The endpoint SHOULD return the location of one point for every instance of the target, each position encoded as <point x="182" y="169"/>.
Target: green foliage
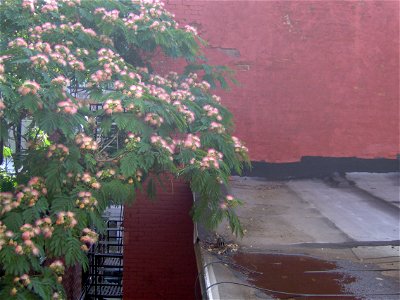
<point x="74" y="253"/>
<point x="7" y="182"/>
<point x="7" y="152"/>
<point x="117" y="192"/>
<point x="93" y="122"/>
<point x="13" y="264"/>
<point x="13" y="220"/>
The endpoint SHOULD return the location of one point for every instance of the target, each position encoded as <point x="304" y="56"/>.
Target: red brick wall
<point x="159" y="261"/>
<point x="72" y="282"/>
<point x="317" y="78"/>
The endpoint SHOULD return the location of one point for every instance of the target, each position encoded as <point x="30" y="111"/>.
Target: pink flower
<point x="86" y="200"/>
<point x="57" y="267"/>
<point x="112" y="106"/>
<point x="2" y="107"/>
<point x="9" y="234"/>
<point x="68" y="107"/>
<point x="118" y="85"/>
<point x="35" y="251"/>
<point x="67" y="219"/>
<point x="239" y="147"/>
<point x="218" y="127"/>
<point x="77" y="65"/>
<point x="160" y="142"/>
<point x="29" y="4"/>
<point x="154" y="119"/>
<point x="190" y="29"/>
<point x="29" y="87"/>
<point x="192" y="142"/>
<point x="96" y="185"/>
<point x="61" y="80"/>
<point x="39" y="60"/>
<point x="88" y="237"/>
<point x="86" y="142"/>
<point x="211" y="160"/>
<point x="18" y="249"/>
<point x="26" y="235"/>
<point x="50" y="6"/>
<point x="90" y="32"/>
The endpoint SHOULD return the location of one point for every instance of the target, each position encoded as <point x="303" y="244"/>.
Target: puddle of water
<point x="291" y="274"/>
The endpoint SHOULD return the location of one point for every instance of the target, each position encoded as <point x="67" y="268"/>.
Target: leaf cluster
<point x="92" y="122"/>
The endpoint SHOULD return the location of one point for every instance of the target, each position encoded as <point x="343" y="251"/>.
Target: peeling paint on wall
<point x="232" y="52"/>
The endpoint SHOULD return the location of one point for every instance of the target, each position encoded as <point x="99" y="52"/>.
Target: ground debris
<point x="217" y="244"/>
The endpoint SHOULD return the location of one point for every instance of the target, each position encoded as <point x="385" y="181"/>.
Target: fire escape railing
<point x="103" y="280"/>
<point x="104" y="276"/>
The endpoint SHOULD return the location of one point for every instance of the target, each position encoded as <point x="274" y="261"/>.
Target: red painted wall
<point x="159" y="260"/>
<point x="318" y="78"/>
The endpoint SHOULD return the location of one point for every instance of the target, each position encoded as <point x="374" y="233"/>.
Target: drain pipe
<point x="206" y="276"/>
<point x="205" y="270"/>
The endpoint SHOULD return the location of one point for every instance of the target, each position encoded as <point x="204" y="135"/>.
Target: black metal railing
<point x="104" y="276"/>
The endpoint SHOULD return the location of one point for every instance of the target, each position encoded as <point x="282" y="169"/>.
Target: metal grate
<point x="112" y="139"/>
<point x="111" y="291"/>
<point x="104" y="277"/>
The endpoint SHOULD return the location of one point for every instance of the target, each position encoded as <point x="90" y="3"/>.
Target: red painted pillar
<point x="159" y="260"/>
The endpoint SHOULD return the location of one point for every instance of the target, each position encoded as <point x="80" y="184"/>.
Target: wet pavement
<point x="288" y="276"/>
<point x="283" y="276"/>
<point x="333" y="238"/>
